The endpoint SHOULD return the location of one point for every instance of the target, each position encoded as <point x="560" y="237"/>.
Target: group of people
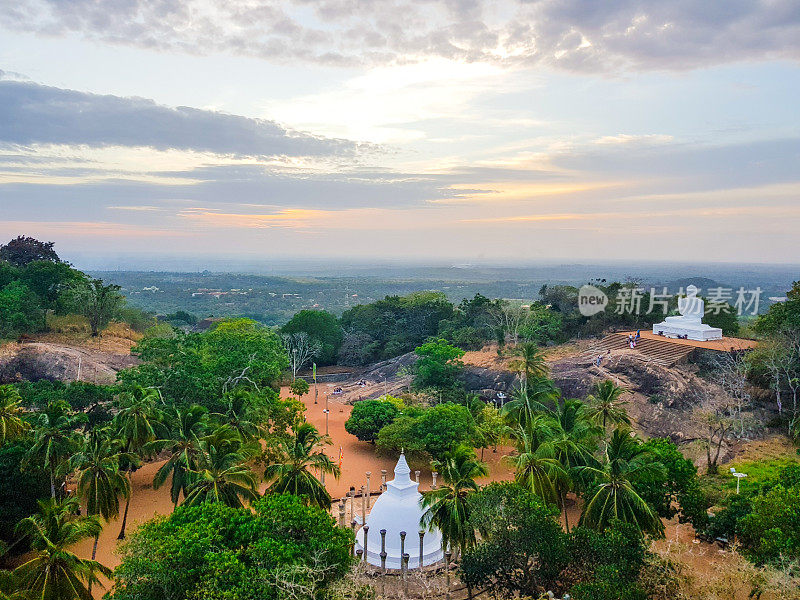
<point x="598" y="361"/>
<point x="633" y="338"/>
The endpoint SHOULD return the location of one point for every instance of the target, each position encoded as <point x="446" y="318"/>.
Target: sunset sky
<point x="431" y="130"/>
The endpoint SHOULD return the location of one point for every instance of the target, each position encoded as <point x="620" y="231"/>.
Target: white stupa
<point x="398" y="509"/>
<point x="689" y="324"/>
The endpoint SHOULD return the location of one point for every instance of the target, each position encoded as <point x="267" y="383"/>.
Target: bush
<point x="772" y="529"/>
<point x="369" y="417"/>
<point x="214" y="551"/>
<point x="70" y="324"/>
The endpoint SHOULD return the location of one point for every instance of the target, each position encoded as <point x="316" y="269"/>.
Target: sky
<point x="461" y="130"/>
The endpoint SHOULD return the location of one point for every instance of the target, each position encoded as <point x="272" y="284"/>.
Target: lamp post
<point x="327" y="412"/>
<point x="738" y="476"/>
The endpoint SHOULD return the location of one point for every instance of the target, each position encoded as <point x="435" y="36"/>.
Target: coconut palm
<point x="184" y="428"/>
<point x="222" y="474"/>
<point x="136" y="424"/>
<point x="298" y="455"/>
<point x="100" y="480"/>
<point x="236" y="415"/>
<point x="529" y="360"/>
<point x="535" y="462"/>
<point x="615" y="497"/>
<point x="532" y="397"/>
<point x="605" y="407"/>
<point x="446" y="507"/>
<point x="11" y="411"/>
<point x="55" y="440"/>
<point x="572" y="440"/>
<point x="54" y="572"/>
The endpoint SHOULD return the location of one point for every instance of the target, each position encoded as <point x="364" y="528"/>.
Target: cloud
<point x="36" y="114"/>
<point x="578" y="35"/>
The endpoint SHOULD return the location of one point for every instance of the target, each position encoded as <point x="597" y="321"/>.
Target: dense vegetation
<point x="207" y="404"/>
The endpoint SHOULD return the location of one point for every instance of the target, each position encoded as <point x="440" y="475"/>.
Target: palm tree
<point x="299" y="454"/>
<point x="136" y="424"/>
<point x="184" y="428"/>
<point x="535" y="462"/>
<point x="55" y="573"/>
<point x="100" y="480"/>
<point x="615" y="496"/>
<point x="572" y="440"/>
<point x="221" y="474"/>
<point x="532" y="397"/>
<point x="529" y="361"/>
<point x="605" y="406"/>
<point x="237" y="415"/>
<point x="446" y="507"/>
<point x="55" y="440"/>
<point x="11" y="411"/>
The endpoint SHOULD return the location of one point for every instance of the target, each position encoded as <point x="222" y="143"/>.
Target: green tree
<point x="522" y="549"/>
<point x="369" y="417"/>
<point x="20" y="310"/>
<point x="529" y="361"/>
<point x="573" y="440"/>
<point x="299" y="455"/>
<point x="136" y="424"/>
<point x="782" y="317"/>
<point x="222" y="474"/>
<point x="48" y="280"/>
<point x="194" y="368"/>
<point x="12" y="424"/>
<point x="442" y="428"/>
<point x="605" y="407"/>
<point x="100" y="481"/>
<point x="55" y="440"/>
<point x="535" y="464"/>
<point x="447" y="507"/>
<point x="534" y="396"/>
<point x="614" y="496"/>
<point x="322" y="327"/>
<point x="490" y="427"/>
<point x="184" y="426"/>
<point x="20" y="488"/>
<point x="665" y="489"/>
<point x="771" y="531"/>
<point x="98" y="302"/>
<point x="54" y="572"/>
<point x="275" y="549"/>
<point x="438" y="365"/>
<point x="23" y="250"/>
<point x="299" y="387"/>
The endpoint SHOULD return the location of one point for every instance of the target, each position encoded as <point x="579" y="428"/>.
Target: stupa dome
<point x="398" y="509"/>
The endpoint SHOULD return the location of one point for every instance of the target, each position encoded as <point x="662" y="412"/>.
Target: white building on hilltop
<point x="398" y="509"/>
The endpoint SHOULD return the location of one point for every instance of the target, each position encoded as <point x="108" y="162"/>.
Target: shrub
<point x="369" y="417"/>
<point x="214" y="551"/>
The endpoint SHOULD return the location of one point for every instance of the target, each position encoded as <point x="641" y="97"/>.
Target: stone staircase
<point x="658" y="351"/>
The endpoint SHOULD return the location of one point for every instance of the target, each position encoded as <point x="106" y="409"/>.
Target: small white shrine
<point x="398" y="509"/>
<point x="689" y="325"/>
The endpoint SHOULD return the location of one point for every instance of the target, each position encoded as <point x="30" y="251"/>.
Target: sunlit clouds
<point x="434" y="129"/>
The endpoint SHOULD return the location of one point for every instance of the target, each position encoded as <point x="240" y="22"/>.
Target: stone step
<point x="661" y="352"/>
